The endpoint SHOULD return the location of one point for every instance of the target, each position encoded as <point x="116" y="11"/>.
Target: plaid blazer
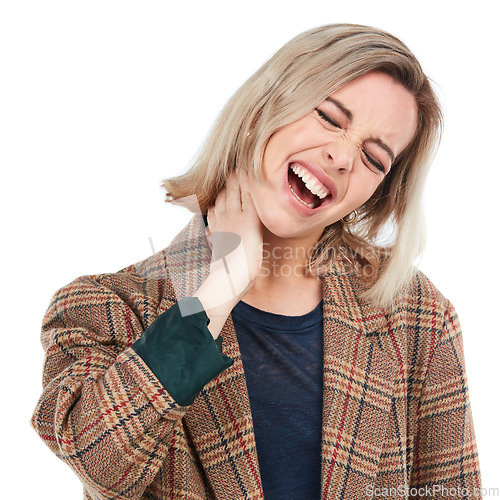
<point x="396" y="411"/>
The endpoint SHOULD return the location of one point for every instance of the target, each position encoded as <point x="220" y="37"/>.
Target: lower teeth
<point x="310" y="205"/>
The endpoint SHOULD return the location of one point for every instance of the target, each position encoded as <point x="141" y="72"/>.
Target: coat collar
<point x="358" y="385"/>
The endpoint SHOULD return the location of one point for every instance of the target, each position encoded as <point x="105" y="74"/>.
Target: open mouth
<point x="306" y="188"/>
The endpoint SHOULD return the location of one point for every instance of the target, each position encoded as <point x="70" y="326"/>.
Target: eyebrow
<point x="348" y="115"/>
<point x="342" y="108"/>
<point x="385" y="147"/>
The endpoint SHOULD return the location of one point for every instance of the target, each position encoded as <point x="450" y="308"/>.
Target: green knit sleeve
<point x="181" y="352"/>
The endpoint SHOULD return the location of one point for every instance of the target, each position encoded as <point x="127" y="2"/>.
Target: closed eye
<point x="327" y="118"/>
<point x="374" y="162"/>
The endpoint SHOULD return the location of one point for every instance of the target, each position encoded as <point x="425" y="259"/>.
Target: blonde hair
<point x="294" y="81"/>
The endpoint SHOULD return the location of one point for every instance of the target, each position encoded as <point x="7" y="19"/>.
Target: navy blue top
<point x="283" y="362"/>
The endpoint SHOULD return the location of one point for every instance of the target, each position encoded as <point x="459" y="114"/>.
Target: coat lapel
<point x="221" y="426"/>
<point x="358" y="385"/>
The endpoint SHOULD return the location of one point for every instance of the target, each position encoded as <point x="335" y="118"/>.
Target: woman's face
<point x="323" y="166"/>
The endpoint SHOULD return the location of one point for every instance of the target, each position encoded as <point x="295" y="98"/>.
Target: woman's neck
<point x="285" y="286"/>
<point x="285" y="259"/>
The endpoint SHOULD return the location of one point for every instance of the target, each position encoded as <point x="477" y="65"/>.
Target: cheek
<point x="293" y="138"/>
<point x="362" y="188"/>
<point x="262" y="192"/>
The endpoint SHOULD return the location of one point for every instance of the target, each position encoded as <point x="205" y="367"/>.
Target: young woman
<point x="309" y="361"/>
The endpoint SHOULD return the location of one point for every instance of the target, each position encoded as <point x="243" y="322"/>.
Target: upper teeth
<point x="313" y="184"/>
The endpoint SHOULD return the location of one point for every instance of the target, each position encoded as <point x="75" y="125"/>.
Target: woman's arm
<point x="102" y="410"/>
<point x="106" y="408"/>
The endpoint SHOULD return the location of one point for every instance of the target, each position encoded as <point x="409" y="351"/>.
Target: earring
<point x="353" y="217"/>
<point x="249" y="134"/>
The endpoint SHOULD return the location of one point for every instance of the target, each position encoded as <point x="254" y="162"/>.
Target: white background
<point x="99" y="101"/>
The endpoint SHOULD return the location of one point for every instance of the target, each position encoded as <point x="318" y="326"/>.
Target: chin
<point x="283" y="226"/>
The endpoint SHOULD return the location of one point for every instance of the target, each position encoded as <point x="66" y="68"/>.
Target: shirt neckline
<point x="274" y="321"/>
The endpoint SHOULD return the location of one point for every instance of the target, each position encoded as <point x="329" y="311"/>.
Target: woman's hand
<point x="233" y="219"/>
<point x="235" y="231"/>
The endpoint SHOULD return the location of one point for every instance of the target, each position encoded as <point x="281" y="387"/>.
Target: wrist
<point x="217" y="300"/>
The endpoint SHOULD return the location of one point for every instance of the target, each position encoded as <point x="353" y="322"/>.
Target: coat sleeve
<point x="103" y="410"/>
<point x="445" y="453"/>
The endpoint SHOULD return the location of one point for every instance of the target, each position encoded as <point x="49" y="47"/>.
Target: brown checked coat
<point x="396" y="412"/>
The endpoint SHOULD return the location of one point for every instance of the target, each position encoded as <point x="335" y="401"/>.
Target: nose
<point x="340" y="154"/>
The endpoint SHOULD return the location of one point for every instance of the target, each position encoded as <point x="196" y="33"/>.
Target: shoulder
<point x="422" y="297"/>
<point x="422" y="293"/>
<point x="420" y="318"/>
<point x="146" y="287"/>
<point x="109" y="304"/>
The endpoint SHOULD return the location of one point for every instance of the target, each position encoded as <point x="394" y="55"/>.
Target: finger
<point x="210" y="215"/>
<point x="246" y="197"/>
<point x="233" y="192"/>
<point x="211" y="224"/>
<point x="221" y="202"/>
